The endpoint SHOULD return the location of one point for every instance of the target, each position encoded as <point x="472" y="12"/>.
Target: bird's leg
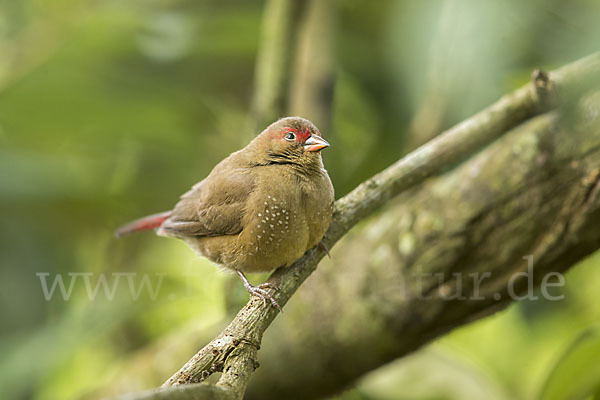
<point x="324" y="247"/>
<point x="260" y="290"/>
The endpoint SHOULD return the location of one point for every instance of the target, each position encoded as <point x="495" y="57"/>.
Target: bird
<point x="259" y="209"/>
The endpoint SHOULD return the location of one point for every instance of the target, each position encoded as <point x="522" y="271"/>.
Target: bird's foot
<point x="324" y="247"/>
<point x="260" y="291"/>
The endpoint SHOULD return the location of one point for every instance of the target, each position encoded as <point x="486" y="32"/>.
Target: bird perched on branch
<point x="260" y="208"/>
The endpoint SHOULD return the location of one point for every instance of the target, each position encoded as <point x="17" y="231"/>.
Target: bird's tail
<point x="150" y="222"/>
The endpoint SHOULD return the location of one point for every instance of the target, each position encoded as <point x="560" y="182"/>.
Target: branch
<point x="313" y="76"/>
<point x="440" y="86"/>
<point x="274" y="61"/>
<point x="234" y="350"/>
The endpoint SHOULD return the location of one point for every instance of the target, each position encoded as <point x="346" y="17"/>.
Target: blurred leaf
<point x="577" y="372"/>
<point x="434" y="373"/>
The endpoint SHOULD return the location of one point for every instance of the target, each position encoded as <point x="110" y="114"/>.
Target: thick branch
<point x="185" y="392"/>
<point x="234" y="350"/>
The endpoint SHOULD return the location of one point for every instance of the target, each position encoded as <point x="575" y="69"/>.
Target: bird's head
<point x="291" y="140"/>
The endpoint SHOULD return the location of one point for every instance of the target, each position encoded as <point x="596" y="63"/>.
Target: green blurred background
<point x="110" y="109"/>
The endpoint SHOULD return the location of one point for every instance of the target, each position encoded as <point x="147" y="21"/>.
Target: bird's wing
<point x="213" y="207"/>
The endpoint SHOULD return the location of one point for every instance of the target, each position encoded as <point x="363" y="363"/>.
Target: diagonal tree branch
<point x="234" y="351"/>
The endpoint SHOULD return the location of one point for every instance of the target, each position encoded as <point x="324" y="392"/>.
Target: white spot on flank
<point x="259" y="236"/>
<point x="267" y="218"/>
<point x="271" y="225"/>
<point x="267" y="211"/>
<point x="265" y="203"/>
<point x="259" y="214"/>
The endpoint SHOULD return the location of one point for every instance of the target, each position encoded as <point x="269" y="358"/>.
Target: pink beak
<point x="315" y="143"/>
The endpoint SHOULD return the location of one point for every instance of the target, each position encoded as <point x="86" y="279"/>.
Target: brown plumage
<point x="260" y="208"/>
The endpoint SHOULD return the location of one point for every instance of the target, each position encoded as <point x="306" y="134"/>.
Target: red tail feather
<point x="143" y="224"/>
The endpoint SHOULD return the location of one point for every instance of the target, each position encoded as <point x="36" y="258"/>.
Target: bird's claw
<point x="324" y="247"/>
<point x="267" y="285"/>
<point x="260" y="291"/>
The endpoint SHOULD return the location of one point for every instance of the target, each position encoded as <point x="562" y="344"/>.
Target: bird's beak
<point x="315" y="143"/>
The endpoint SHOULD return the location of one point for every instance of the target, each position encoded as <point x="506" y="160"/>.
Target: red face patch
<point x="301" y="134"/>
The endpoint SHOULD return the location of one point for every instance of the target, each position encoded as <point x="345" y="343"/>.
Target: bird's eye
<point x="291" y="136"/>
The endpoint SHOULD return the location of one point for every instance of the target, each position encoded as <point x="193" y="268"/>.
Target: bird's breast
<point x="284" y="217"/>
<point x="276" y="234"/>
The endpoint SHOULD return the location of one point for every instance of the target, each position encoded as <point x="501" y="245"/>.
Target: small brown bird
<point x="260" y="208"/>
